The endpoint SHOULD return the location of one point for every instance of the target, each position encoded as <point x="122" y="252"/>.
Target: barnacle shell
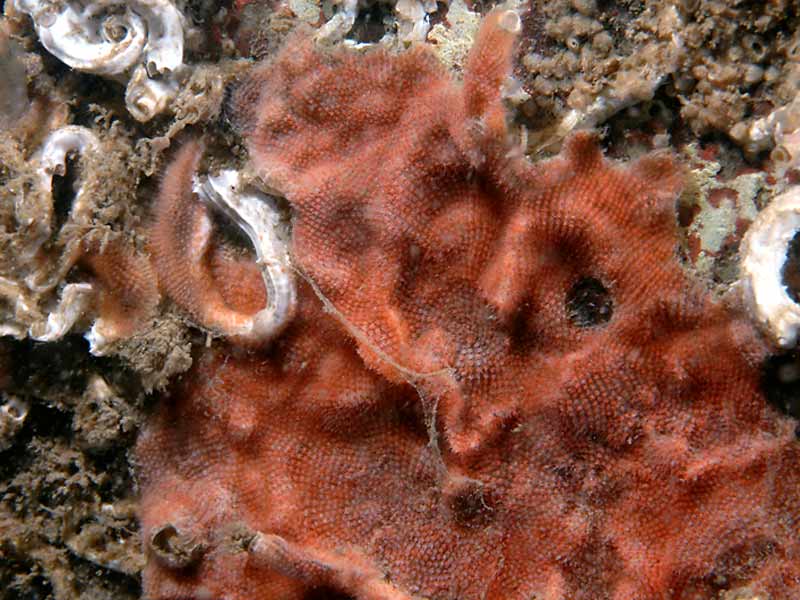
<point x="763" y="256"/>
<point x="53" y="161"/>
<point x="75" y="300"/>
<point x="340" y="24"/>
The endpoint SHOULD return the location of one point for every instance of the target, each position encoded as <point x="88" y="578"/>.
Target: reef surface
<point x="473" y="376"/>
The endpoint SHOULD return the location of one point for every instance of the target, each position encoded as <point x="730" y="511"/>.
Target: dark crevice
<point x="589" y="303"/>
<point x="326" y="593"/>
<point x="519" y="330"/>
<point x="94" y="90"/>
<point x="202" y="11"/>
<point x="107" y="582"/>
<point x="64" y="189"/>
<point x="20" y="579"/>
<point x="63" y="364"/>
<point x="48" y="421"/>
<point x="369" y="27"/>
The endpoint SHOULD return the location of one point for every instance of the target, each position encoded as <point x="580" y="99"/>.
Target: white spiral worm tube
<point x="75" y="298"/>
<point x="53" y="161"/>
<point x="116" y="38"/>
<point x="259" y="216"/>
<point x="52" y="158"/>
<point x="36" y="220"/>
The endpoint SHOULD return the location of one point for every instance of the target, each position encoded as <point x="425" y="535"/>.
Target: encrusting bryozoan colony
<point x="498" y="381"/>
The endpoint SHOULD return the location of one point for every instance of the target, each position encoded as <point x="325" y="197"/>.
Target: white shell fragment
<point x="13" y="412"/>
<point x="100" y="338"/>
<point x="341" y="23"/>
<point x="87" y="38"/>
<point x="413" y="20"/>
<point x="102" y="335"/>
<point x="52" y="160"/>
<point x="606" y="105"/>
<point x="117" y="39"/>
<point x="108" y="37"/>
<point x="259" y="216"/>
<point x="763" y="253"/>
<point x="76" y="300"/>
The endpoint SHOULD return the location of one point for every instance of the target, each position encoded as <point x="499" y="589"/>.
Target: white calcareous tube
<point x="259" y="217"/>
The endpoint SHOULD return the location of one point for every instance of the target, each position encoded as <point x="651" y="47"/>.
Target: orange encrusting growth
<point x="195" y="272"/>
<point x="128" y="290"/>
<point x="511" y="391"/>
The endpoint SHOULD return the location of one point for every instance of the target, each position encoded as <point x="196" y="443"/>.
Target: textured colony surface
<point x="499" y="382"/>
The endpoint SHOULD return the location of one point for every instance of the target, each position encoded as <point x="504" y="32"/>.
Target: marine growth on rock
<point x="498" y="382"/>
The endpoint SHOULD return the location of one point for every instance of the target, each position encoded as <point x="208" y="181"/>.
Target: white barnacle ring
<point x="763" y="256"/>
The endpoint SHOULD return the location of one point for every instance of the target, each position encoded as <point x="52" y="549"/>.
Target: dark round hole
<point x="589" y="303"/>
<point x="655" y="109"/>
<point x="790" y="272"/>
